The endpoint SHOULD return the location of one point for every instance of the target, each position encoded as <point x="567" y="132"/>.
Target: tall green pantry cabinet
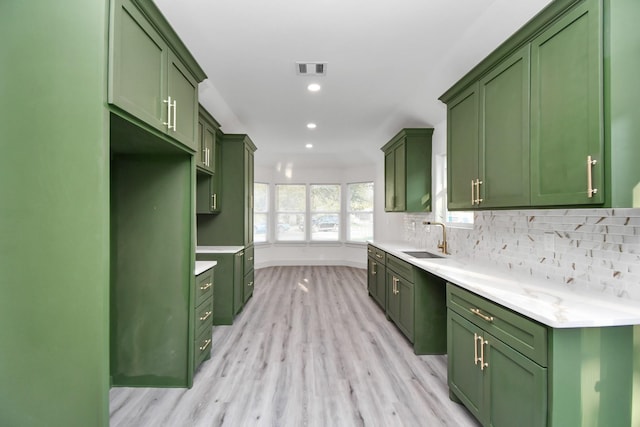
<point x="54" y="214"/>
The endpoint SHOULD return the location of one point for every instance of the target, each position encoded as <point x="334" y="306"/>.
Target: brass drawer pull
<point x="250" y="284"/>
<point x="590" y="190"/>
<point x="378" y="256"/>
<point x="476" y="311"/>
<point x="250" y="258"/>
<point x="205" y="344"/>
<point x="207" y="286"/>
<point x="240" y="254"/>
<point x="207" y="314"/>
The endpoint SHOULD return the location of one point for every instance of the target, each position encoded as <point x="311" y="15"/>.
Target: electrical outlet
<point x="549" y="242"/>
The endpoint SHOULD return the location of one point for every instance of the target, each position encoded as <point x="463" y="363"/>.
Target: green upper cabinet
<point x="504" y="134"/>
<point x="207" y="135"/>
<point x="152" y="76"/>
<point x="555" y="115"/>
<point x="407" y="171"/>
<point x="462" y="149"/>
<point x="566" y="110"/>
<point x="488" y="139"/>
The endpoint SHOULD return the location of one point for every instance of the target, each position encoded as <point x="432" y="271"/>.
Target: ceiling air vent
<point x="311" y="68"/>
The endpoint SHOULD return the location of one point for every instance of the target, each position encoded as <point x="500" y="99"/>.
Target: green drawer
<point x="202" y="349"/>
<point x="379" y="255"/>
<point x="203" y="316"/>
<point x="248" y="259"/>
<point x="523" y="334"/>
<point x="204" y="286"/>
<point x="404" y="269"/>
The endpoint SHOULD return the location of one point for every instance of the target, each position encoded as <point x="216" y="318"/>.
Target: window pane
<point x="290" y="227"/>
<point x="325" y="212"/>
<point x="325" y="198"/>
<point x="360" y="226"/>
<point x="361" y="197"/>
<point x="325" y="227"/>
<point x="290" y="198"/>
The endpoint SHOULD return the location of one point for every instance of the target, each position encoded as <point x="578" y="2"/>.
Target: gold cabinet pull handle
<point x="483" y="364"/>
<point x="207" y="286"/>
<point x="478" y="199"/>
<point x="215" y="200"/>
<point x="590" y="190"/>
<point x="378" y="256"/>
<point x="476" y="359"/>
<point x="250" y="284"/>
<point x="373" y="267"/>
<point x="207" y="314"/>
<point x="205" y="344"/>
<point x="250" y="258"/>
<point x="473" y="200"/>
<point x="240" y="253"/>
<point x="168" y="122"/>
<point x="175" y="107"/>
<point x="477" y="312"/>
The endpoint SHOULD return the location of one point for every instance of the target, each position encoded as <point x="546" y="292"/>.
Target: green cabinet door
<point x="205" y="196"/>
<point x="238" y="282"/>
<point x="376" y="281"/>
<point x="183" y="90"/>
<point x="464" y="374"/>
<point x="515" y="387"/>
<point x="566" y="109"/>
<point x="248" y="286"/>
<point x="137" y="66"/>
<point x="462" y="149"/>
<point x="399" y="172"/>
<point x="389" y="181"/>
<point x="393" y="300"/>
<point x="406" y="310"/>
<point x="504" y="134"/>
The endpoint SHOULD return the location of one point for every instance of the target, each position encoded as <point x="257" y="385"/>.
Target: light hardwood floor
<point x="310" y="348"/>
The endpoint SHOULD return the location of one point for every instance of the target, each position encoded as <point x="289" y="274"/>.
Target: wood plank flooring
<point x="310" y="348"/>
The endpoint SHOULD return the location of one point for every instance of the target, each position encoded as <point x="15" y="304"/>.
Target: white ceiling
<point x="388" y="62"/>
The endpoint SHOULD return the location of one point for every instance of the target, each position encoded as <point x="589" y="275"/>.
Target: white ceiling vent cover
<point x="311" y="68"/>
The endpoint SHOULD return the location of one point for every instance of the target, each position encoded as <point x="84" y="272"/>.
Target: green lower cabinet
<point x="230" y="288"/>
<point x="496" y="383"/>
<point x="415" y="302"/>
<point x="376" y="282"/>
<point x="510" y="370"/>
<point x="248" y="286"/>
<point x="203" y="313"/>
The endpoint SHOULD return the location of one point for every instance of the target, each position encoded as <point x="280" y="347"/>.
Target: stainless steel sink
<point x="422" y="254"/>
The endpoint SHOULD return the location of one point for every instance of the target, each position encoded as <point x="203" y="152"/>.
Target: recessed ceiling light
<point x="313" y="87"/>
<point x="309" y="145"/>
<point x="311" y="125"/>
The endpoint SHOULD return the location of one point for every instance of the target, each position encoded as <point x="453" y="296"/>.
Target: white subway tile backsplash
<point x="590" y="248"/>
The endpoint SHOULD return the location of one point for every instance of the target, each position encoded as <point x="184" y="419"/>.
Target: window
<point x="325" y="212"/>
<point x="291" y="201"/>
<point x="260" y="212"/>
<point x="360" y="211"/>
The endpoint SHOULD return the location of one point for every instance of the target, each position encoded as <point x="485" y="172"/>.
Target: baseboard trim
<point x="314" y="262"/>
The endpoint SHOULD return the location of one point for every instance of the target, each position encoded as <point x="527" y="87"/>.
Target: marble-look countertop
<point x="548" y="302"/>
<point x="202" y="266"/>
<point x="218" y="249"/>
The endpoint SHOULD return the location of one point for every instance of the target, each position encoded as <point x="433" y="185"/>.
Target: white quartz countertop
<point x="202" y="266"/>
<point x="218" y="249"/>
<point x="548" y="302"/>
